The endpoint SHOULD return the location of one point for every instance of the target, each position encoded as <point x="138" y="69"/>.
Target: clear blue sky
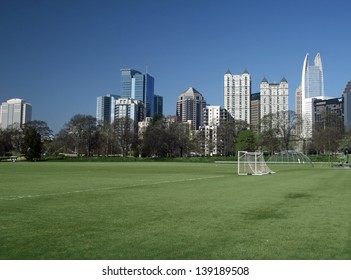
<point x="61" y="55"/>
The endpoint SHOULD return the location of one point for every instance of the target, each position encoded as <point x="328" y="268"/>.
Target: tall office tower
<point x="312" y="78"/>
<point x="312" y="86"/>
<point x="158" y="105"/>
<point x="329" y="112"/>
<point x="190" y="106"/>
<point x="274" y="97"/>
<point x="139" y="86"/>
<point x="15" y="113"/>
<point x="255" y="111"/>
<point x="105" y="108"/>
<point x="211" y="143"/>
<point x="129" y="108"/>
<point x="298" y="111"/>
<point x="237" y="91"/>
<point x="347" y="106"/>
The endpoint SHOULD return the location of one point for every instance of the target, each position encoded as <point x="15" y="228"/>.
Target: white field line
<point x="108" y="188"/>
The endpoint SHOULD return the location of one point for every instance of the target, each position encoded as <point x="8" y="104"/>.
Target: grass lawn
<point x="150" y="210"/>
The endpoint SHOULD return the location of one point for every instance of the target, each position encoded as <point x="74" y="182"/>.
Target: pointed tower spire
<point x="264" y="80"/>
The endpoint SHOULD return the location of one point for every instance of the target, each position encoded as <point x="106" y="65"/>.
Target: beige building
<point x="255" y="109"/>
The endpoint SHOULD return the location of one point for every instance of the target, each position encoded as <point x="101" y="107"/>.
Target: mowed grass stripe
<point x="163" y="183"/>
<point x="297" y="213"/>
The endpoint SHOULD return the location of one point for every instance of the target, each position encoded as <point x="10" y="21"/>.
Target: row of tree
<point x="82" y="135"/>
<point x="28" y="140"/>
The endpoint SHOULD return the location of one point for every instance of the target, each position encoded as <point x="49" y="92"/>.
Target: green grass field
<point x="150" y="210"/>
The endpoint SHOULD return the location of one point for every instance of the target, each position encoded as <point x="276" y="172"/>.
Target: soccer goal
<point x="252" y="163"/>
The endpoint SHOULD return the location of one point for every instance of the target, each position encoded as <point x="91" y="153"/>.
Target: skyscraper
<point x="274" y="97"/>
<point x="329" y="112"/>
<point x="347" y="106"/>
<point x="298" y="110"/>
<point x="237" y="91"/>
<point x="190" y="105"/>
<point x="105" y="108"/>
<point x="158" y="105"/>
<point x="312" y="83"/>
<point x="255" y="111"/>
<point x="139" y="86"/>
<point x="312" y="86"/>
<point x="15" y="113"/>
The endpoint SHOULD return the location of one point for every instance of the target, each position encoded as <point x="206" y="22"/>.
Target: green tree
<point x="5" y="142"/>
<point x="32" y="145"/>
<point x="227" y="134"/>
<point x="246" y="141"/>
<point x="155" y="139"/>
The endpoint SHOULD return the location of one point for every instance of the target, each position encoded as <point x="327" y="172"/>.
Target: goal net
<point x="252" y="163"/>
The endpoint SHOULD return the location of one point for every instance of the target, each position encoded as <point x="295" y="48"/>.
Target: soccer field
<point x="143" y="210"/>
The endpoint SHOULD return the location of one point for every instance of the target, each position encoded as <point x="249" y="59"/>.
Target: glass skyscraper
<point x="158" y="105"/>
<point x="312" y="86"/>
<point x="139" y="86"/>
<point x="312" y="78"/>
<point x="105" y="106"/>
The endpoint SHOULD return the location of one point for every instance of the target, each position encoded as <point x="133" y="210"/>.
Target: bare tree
<point x="327" y="133"/>
<point x="277" y="130"/>
<point x="82" y="130"/>
<point x="125" y="134"/>
<point x="42" y="128"/>
<point x="227" y="134"/>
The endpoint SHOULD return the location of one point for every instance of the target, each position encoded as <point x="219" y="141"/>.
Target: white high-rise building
<point x="237" y="91"/>
<point x="15" y="113"/>
<point x="129" y="108"/>
<point x="274" y="97"/>
<point x="213" y="117"/>
<point x="105" y="108"/>
<point x="312" y="86"/>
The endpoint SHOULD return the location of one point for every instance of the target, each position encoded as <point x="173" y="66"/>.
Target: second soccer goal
<point x="252" y="163"/>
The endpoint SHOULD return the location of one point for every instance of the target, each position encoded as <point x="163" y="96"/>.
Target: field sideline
<point x="154" y="210"/>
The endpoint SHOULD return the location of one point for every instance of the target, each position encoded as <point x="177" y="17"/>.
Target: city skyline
<point x="60" y="56"/>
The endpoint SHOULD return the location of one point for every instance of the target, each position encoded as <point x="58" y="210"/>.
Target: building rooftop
<point x="264" y="80"/>
<point x="191" y="91"/>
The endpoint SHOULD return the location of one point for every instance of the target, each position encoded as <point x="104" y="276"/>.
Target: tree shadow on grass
<point x="263" y="213"/>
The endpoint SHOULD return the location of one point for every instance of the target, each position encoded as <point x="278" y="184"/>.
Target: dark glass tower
<point x="139" y="86"/>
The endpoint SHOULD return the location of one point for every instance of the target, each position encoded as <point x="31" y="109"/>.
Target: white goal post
<point x="252" y="163"/>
